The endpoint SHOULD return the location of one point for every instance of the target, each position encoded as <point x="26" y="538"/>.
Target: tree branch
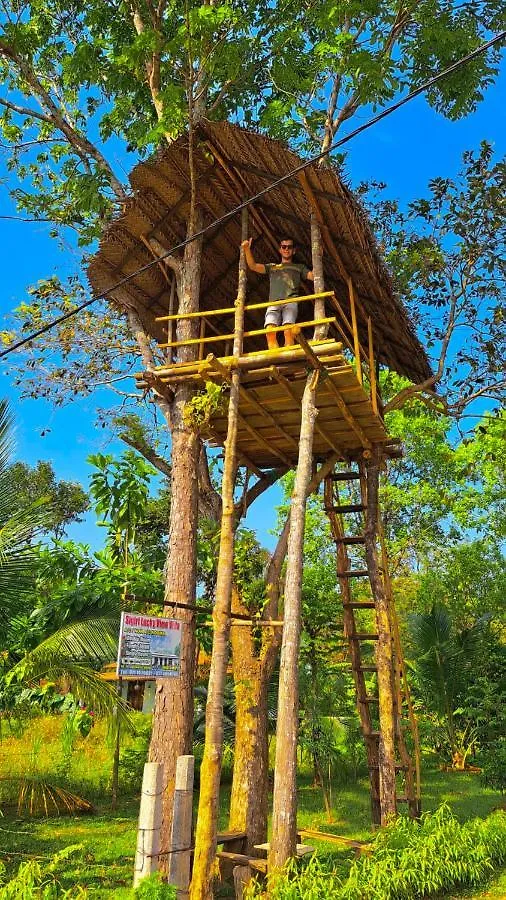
<point x="82" y="146"/>
<point x="148" y="453"/>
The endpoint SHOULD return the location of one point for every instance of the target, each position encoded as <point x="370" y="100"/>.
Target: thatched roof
<point x="233" y="164"/>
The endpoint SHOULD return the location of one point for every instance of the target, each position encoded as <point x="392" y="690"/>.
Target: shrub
<point x="36" y="881"/>
<point x="153" y="888"/>
<point x="410" y="860"/>
<point x="494" y="766"/>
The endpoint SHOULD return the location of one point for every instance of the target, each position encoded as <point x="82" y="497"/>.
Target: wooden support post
<point x="356" y="340"/>
<point x="147" y="857"/>
<point x="170" y="329"/>
<point x="346" y="414"/>
<point x="283" y="843"/>
<point x="372" y="368"/>
<point x="181" y="838"/>
<point x="384" y="646"/>
<point x="284" y="811"/>
<point x="319" y="283"/>
<point x="210" y="772"/>
<point x="287" y="387"/>
<point x="202" y="338"/>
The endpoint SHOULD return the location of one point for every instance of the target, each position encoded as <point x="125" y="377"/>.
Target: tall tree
<point x="66" y="500"/>
<point x="144" y="74"/>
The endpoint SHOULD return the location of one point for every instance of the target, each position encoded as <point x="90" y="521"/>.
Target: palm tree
<point x="72" y="651"/>
<point x="444" y="663"/>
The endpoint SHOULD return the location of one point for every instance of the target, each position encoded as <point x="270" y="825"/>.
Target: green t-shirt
<point x="284" y="279"/>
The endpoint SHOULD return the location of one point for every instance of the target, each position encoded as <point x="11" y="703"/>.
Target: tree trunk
<point x="210" y="771"/>
<point x="319" y="282"/>
<point x="252" y="674"/>
<point x="284" y="814"/>
<point x="384" y="647"/>
<point x="172" y="734"/>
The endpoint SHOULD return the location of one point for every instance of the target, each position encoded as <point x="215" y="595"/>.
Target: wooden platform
<point x="272" y="384"/>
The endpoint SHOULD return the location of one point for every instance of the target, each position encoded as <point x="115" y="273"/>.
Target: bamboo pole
<point x="230" y="309"/>
<point x="347" y="416"/>
<point x="254" y="360"/>
<point x="356" y="340"/>
<point x="283" y="843"/>
<point x="285" y="384"/>
<point x="207" y="821"/>
<point x="254" y="333"/>
<point x="372" y="368"/>
<point x="249" y="399"/>
<point x="284" y="810"/>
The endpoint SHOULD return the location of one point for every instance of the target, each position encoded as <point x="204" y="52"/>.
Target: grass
<point x="109" y="837"/>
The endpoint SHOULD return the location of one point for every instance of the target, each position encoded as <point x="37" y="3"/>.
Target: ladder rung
<point x="362" y="636"/>
<point x="366" y="668"/>
<point x="398" y="767"/>
<point x="371" y="699"/>
<point x="347" y="508"/>
<point x="345" y="476"/>
<point x="359" y="539"/>
<point x="353" y="573"/>
<point x="358" y="604"/>
<point x="372" y="734"/>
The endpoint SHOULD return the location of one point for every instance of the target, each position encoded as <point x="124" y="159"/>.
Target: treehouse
<point x="349" y="325"/>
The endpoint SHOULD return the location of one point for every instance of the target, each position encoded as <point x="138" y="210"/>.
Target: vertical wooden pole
<point x="284" y="808"/>
<point x="210" y="772"/>
<point x="384" y="644"/>
<point x="179" y="859"/>
<point x="202" y="334"/>
<point x="320" y="331"/>
<point x="372" y="368"/>
<point x="171" y="323"/>
<point x="356" y="342"/>
<point x="147" y="856"/>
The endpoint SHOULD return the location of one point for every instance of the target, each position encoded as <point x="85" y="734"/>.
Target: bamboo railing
<point x="339" y="323"/>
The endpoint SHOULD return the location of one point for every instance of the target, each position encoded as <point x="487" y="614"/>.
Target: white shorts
<point x="281" y="315"/>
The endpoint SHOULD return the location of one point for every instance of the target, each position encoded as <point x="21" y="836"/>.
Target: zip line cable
<point x="229" y="215"/>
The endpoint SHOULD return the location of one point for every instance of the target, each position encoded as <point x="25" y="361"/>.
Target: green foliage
<point x="203" y="405"/>
<point x="40" y="881"/>
<point x="494" y="766"/>
<point x="409" y="860"/>
<point x="67" y="500"/>
<point x="154" y="888"/>
<point x="446" y="251"/>
<point x="444" y="663"/>
<point x="18" y="525"/>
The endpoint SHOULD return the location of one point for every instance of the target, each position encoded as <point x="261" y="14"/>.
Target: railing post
<point x="356" y="342"/>
<point x="372" y="368"/>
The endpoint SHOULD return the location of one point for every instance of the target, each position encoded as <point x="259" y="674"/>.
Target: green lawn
<point x="109" y="837"/>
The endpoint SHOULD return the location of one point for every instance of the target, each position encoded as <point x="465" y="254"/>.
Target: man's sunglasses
<point x="286" y="246"/>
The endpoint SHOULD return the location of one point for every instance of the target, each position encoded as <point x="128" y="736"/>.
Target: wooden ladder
<point x="346" y="504"/>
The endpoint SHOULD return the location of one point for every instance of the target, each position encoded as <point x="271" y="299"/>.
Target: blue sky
<point x="406" y="150"/>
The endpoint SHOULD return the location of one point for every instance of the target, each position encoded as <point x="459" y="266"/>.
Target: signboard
<point x="149" y="646"/>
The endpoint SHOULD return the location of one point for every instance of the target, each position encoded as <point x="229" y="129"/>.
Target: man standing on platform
<point x="284" y="282"/>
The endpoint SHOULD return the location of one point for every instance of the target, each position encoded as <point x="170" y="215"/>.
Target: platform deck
<point x="270" y="404"/>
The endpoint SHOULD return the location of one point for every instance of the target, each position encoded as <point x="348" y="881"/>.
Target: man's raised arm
<point x="254" y="266"/>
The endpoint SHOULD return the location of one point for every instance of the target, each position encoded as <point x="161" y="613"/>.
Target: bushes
<point x="36" y="881"/>
<point x="410" y="860"/>
<point x="494" y="766"/>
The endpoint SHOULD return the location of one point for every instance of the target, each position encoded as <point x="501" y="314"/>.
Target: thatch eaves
<point x="233" y="164"/>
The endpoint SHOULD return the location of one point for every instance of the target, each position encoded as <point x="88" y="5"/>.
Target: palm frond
<point x="6" y="434"/>
<point x="88" y="638"/>
<point x="87" y="685"/>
